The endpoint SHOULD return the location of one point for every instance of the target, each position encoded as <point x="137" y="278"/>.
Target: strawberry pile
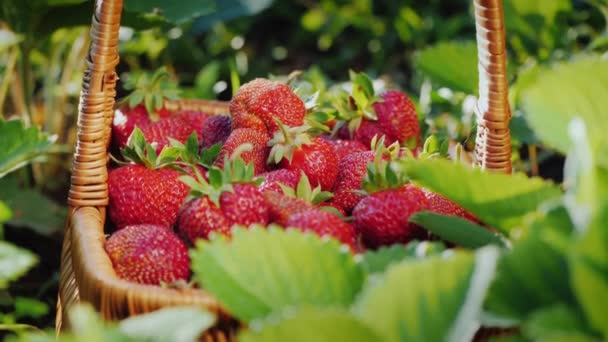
<point x="186" y="176"/>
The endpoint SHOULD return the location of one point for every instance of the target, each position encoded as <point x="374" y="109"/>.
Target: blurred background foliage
<point x="426" y="48"/>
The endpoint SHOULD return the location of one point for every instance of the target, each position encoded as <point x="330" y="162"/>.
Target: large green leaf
<point x="31" y="208"/>
<point x="463" y="233"/>
<point x="312" y="324"/>
<point x="179" y="324"/>
<point x="534" y="21"/>
<point x="500" y="200"/>
<point x="177" y="12"/>
<point x="229" y="9"/>
<point x="551" y="322"/>
<point x="534" y="274"/>
<point x="20" y="145"/>
<point x="451" y="64"/>
<point x="261" y="271"/>
<point x="589" y="277"/>
<point x="14" y="262"/>
<point x="5" y="212"/>
<point x="549" y="110"/>
<point x="377" y="261"/>
<point x="435" y="299"/>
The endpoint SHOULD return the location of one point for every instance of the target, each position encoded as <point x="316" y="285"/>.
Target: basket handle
<point x="95" y="111"/>
<point x="493" y="142"/>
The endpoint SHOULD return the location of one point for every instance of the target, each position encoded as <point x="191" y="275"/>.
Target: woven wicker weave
<point x="86" y="270"/>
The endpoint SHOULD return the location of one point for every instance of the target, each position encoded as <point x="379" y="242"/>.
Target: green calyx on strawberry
<point x="219" y="181"/>
<point x="358" y="105"/>
<point x="151" y="90"/>
<point x="286" y="141"/>
<point x="383" y="173"/>
<point x="138" y="151"/>
<point x="305" y="192"/>
<point x="189" y="151"/>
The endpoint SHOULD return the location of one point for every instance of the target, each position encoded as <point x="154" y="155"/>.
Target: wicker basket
<point x="86" y="270"/>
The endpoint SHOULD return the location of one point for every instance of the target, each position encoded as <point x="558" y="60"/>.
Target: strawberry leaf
<point x="152" y="90"/>
<point x="263" y="270"/>
<point x="459" y="74"/>
<point x="500" y="200"/>
<point x="209" y="155"/>
<point x="379" y="260"/>
<point x="20" y="145"/>
<point x="216" y="178"/>
<point x="435" y="299"/>
<point x="311" y="324"/>
<point x="14" y="262"/>
<point x="462" y="232"/>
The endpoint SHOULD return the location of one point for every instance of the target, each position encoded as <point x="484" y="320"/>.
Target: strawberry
<point x="229" y="198"/>
<point x="382" y="217"/>
<point x="444" y="206"/>
<point x="146" y="192"/>
<point x="178" y="127"/>
<point x="345" y="148"/>
<point x="258" y="153"/>
<point x="282" y="207"/>
<point x="352" y="169"/>
<point x="324" y="223"/>
<point x="294" y="149"/>
<point x="127" y="118"/>
<point x="148" y="254"/>
<point x="391" y="114"/>
<point x="257" y="104"/>
<point x="216" y="130"/>
<point x="143" y="106"/>
<point x="272" y="179"/>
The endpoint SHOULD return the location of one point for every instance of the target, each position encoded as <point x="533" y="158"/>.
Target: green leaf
<point x="549" y="112"/>
<point x="5" y="212"/>
<point x="455" y="229"/>
<point x="229" y="9"/>
<point x="175" y="12"/>
<point x="216" y="178"/>
<point x="180" y="324"/>
<point x="262" y="271"/>
<point x="208" y="156"/>
<point x="552" y="321"/>
<point x="523" y="275"/>
<point x="461" y="71"/>
<point x="589" y="276"/>
<point x="498" y="199"/>
<point x="20" y="146"/>
<point x="14" y="262"/>
<point x="30" y="307"/>
<point x="434" y="299"/>
<point x="31" y="208"/>
<point x="86" y="325"/>
<point x="311" y="324"/>
<point x="377" y="261"/>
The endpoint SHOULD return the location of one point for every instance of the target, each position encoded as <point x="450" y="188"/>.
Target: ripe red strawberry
<point x="178" y="127"/>
<point x="392" y="115"/>
<point x="352" y="169"/>
<point x="126" y="119"/>
<point x="257" y="155"/>
<point x="148" y="254"/>
<point x="398" y="119"/>
<point x="282" y="207"/>
<point x="257" y="104"/>
<point x="444" y="206"/>
<point x="294" y="149"/>
<point x="345" y="148"/>
<point x="382" y="217"/>
<point x="324" y="223"/>
<point x="200" y="216"/>
<point x="216" y="130"/>
<point x="146" y="192"/>
<point x="229" y="198"/>
<point x="272" y="179"/>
